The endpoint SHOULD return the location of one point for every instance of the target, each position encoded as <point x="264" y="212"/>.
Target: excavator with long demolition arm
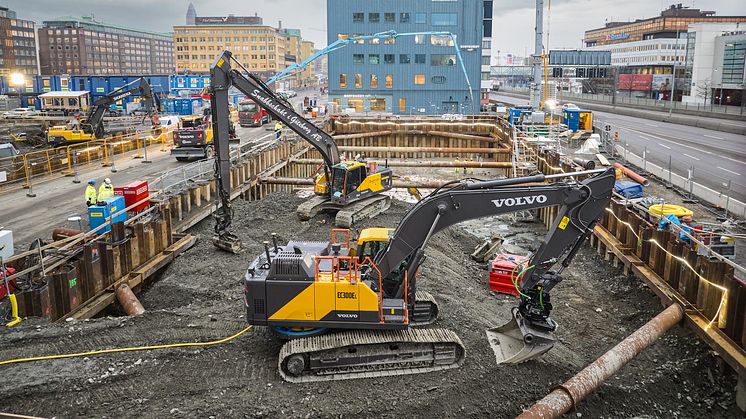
<point x="352" y="189"/>
<point x="303" y="289"/>
<point x="92" y="127"/>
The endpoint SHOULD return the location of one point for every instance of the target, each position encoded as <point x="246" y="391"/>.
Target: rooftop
<point x="91" y="21"/>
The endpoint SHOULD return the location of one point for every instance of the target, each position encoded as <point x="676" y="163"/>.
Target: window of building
<point x="374" y="59"/>
<point x="419" y="58"/>
<point x="402" y="104"/>
<point x="375" y="41"/>
<point x="485" y="60"/>
<point x="438" y="79"/>
<point x="419" y="79"/>
<point x="389" y="41"/>
<point x="404" y="17"/>
<point x="358" y="58"/>
<point x="358" y="81"/>
<point x="343" y="36"/>
<point x="389" y="81"/>
<point x="373" y="81"/>
<point x="439" y="60"/>
<point x="343" y="81"/>
<point x="420" y="18"/>
<point x="441" y="40"/>
<point x="485" y="75"/>
<point x="374" y="17"/>
<point x="486" y="44"/>
<point x="389" y="17"/>
<point x="403" y="58"/>
<point x="444" y="19"/>
<point x="378" y="105"/>
<point x="419" y="39"/>
<point x="356" y="35"/>
<point x="358" y="17"/>
<point x="388" y="58"/>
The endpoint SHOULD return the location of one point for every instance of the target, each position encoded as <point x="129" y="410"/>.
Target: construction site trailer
<point x="66" y="102"/>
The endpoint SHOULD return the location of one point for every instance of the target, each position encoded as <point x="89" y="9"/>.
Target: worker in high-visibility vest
<point x="106" y="190"/>
<point x="278" y="130"/>
<point x="90" y="193"/>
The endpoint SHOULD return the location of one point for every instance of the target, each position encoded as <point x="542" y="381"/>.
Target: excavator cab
<point x="355" y="180"/>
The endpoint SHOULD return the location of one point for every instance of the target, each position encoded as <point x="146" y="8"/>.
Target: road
<point x="716" y="157"/>
<point x="59" y="199"/>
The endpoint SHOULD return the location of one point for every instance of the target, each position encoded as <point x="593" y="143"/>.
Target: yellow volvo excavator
<point x="352" y="189"/>
<point x="368" y="295"/>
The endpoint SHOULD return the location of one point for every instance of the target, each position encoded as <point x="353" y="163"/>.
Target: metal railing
<point x="24" y="170"/>
<point x="678" y="169"/>
<point x="625" y="99"/>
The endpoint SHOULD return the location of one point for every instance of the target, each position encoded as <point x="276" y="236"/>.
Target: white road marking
<point x="664" y="146"/>
<point x="691" y="157"/>
<point x="729" y="171"/>
<point x="652" y="125"/>
<point x="713" y="137"/>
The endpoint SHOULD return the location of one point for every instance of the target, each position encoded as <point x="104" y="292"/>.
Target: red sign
<point x="635" y="82"/>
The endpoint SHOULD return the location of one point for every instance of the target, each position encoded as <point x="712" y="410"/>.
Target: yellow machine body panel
<point x="378" y="234"/>
<point x="321" y="185"/>
<point x="373" y="183"/>
<point x="324" y="296"/>
<point x="62" y="132"/>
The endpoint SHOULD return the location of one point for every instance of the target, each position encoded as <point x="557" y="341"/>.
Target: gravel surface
<point x="198" y="298"/>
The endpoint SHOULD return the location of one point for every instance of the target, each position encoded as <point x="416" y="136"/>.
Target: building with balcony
<point x="85" y="46"/>
<point x="414" y="74"/>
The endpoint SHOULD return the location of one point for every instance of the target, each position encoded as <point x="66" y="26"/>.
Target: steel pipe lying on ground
<point x="438" y="150"/>
<point x="129" y="301"/>
<point x="566" y="396"/>
<point x="422" y="163"/>
<point x="632" y="175"/>
<point x="397" y="183"/>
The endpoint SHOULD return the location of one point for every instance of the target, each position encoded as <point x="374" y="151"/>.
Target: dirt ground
<point x="198" y="298"/>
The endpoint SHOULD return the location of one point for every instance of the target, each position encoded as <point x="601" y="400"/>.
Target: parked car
<point x="20" y="113"/>
<point x="292" y="93"/>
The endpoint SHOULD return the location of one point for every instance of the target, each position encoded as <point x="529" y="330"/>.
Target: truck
<point x="193" y="139"/>
<point x="251" y="115"/>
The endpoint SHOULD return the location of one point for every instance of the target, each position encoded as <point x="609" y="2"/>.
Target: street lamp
<point x="17" y="80"/>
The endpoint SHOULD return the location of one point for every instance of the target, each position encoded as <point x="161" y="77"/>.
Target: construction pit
<point x="198" y="298"/>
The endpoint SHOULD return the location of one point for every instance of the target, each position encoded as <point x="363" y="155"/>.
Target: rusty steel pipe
<point x="129" y="301"/>
<point x="565" y="397"/>
<point x="437" y="150"/>
<point x="421" y="163"/>
<point x="632" y="175"/>
<point x="64" y="233"/>
<point x="397" y="183"/>
<point x="361" y="135"/>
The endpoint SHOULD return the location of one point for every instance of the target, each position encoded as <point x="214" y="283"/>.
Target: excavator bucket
<point x="517" y="341"/>
<point x="228" y="242"/>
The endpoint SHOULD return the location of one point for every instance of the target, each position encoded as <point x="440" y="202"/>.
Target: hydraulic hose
<point x="130" y="349"/>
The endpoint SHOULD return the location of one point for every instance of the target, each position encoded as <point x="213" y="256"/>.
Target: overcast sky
<point x="513" y="22"/>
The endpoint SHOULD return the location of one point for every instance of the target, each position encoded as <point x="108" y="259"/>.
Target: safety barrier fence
<point x="679" y="268"/>
<point x="25" y="170"/>
<point x="78" y="276"/>
<point x="663" y="105"/>
<point x="680" y="167"/>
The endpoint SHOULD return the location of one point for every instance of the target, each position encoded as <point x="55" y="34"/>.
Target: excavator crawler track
<point x="425" y="310"/>
<point x="313" y="206"/>
<point x="369" y="354"/>
<point x="360" y="210"/>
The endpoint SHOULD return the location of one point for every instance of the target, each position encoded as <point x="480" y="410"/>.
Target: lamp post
<point x="673" y="76"/>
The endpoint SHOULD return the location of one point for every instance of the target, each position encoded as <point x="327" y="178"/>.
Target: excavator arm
<point x="223" y="74"/>
<point x="581" y="204"/>
<point x="95" y="121"/>
<point x="223" y="77"/>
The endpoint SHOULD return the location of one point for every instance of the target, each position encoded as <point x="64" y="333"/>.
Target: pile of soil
<point x="198" y="298"/>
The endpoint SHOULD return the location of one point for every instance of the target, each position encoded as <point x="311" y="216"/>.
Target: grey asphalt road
<point x="716" y="158"/>
<point x="59" y="199"/>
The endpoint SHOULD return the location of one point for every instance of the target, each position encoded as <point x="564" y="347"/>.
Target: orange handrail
<point x="346" y="232"/>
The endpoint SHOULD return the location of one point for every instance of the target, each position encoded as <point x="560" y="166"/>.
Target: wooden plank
<point x="107" y="296"/>
<point x="604" y="161"/>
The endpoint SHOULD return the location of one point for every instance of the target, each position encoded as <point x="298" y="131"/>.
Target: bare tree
<point x="703" y="89"/>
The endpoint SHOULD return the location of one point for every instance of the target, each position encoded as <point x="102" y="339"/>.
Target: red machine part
<point x="504" y="271"/>
<point x="11" y="283"/>
<point x="133" y="193"/>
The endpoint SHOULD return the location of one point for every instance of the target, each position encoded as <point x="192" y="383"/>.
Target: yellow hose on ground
<point x="132" y="349"/>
